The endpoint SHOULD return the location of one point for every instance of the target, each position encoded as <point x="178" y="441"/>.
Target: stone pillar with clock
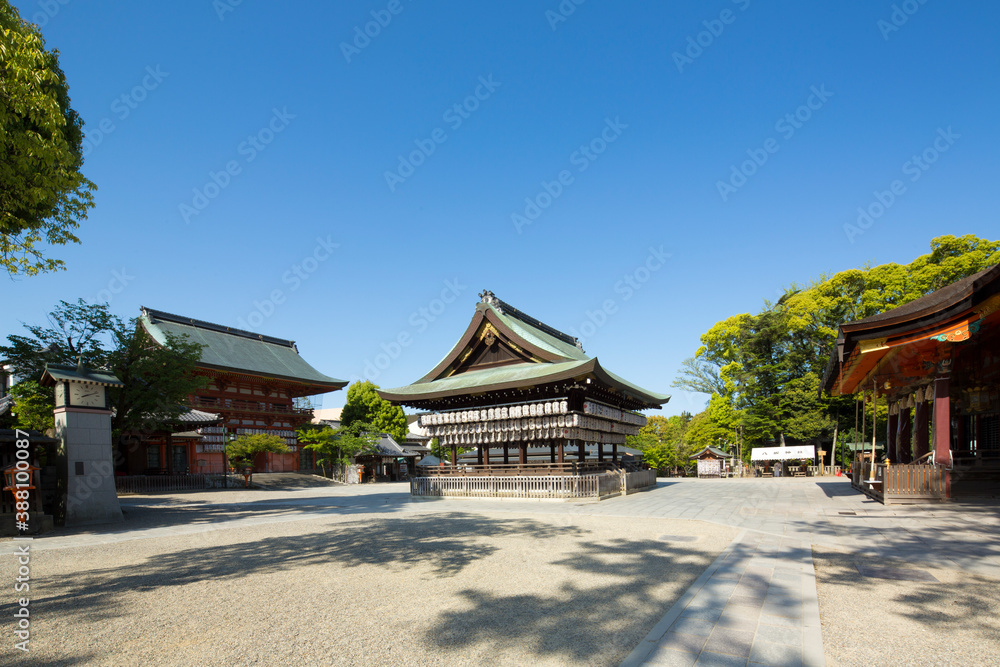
<point x="83" y="424"/>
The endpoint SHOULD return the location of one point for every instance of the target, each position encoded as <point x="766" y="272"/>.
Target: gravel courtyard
<point x="448" y="588"/>
<point x="369" y="576"/>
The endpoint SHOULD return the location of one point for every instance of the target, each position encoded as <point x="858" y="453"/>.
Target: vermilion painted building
<point x="253" y="381"/>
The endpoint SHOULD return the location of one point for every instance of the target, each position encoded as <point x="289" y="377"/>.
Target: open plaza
<point x="694" y="571"/>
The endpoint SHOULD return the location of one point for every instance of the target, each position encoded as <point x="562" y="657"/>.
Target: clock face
<point x="60" y="393"/>
<point x="86" y="395"/>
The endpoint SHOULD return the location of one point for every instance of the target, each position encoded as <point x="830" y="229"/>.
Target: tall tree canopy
<point x="365" y="405"/>
<point x="157" y="379"/>
<point x="763" y="371"/>
<point x="43" y="195"/>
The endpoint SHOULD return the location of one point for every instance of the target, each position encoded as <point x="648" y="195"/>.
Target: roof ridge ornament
<point x="490" y="298"/>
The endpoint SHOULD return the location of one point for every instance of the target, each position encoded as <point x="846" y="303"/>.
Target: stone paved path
<point x="756" y="604"/>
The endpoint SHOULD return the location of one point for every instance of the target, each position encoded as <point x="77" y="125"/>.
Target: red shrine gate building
<point x="936" y="363"/>
<point x="253" y="383"/>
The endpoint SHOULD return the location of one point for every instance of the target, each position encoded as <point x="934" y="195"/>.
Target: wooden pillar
<point x="486" y="453"/>
<point x="581" y="451"/>
<point x="506" y="453"/>
<point x="942" y="421"/>
<point x="552" y="452"/>
<point x="978" y="435"/>
<point x="903" y="435"/>
<point x="165" y="456"/>
<point x="479" y="455"/>
<point x="454" y="455"/>
<point x="614" y="452"/>
<point x="921" y="421"/>
<point x="522" y="453"/>
<point x="890" y="438"/>
<point x="600" y="451"/>
<point x="562" y="451"/>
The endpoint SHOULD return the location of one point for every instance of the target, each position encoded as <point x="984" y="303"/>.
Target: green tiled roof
<point x="555" y="357"/>
<point x="517" y="375"/>
<point x="236" y="350"/>
<point x="59" y="372"/>
<point x="493" y="378"/>
<point x="539" y="337"/>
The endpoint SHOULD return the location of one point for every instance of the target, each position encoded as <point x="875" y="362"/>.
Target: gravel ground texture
<point x="451" y="588"/>
<point x="876" y="621"/>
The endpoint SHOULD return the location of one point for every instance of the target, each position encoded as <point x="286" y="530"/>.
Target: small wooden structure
<point x="936" y="363"/>
<point x="389" y="462"/>
<point x="710" y="462"/>
<point x="513" y="384"/>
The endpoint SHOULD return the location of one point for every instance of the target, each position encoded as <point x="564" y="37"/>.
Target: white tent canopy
<point x="783" y="453"/>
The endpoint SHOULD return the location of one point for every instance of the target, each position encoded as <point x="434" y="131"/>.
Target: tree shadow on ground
<point x="582" y="624"/>
<point x="446" y="542"/>
<point x="145" y="513"/>
<point x="937" y="609"/>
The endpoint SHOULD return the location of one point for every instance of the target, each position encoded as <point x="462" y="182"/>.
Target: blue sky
<point x="277" y="169"/>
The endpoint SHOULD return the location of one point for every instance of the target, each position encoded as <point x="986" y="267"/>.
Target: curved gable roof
<point x="553" y="356"/>
<point x="225" y="348"/>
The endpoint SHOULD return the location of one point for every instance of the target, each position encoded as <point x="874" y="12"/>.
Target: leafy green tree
<point x="763" y="371"/>
<point x="157" y="379"/>
<point x="76" y="331"/>
<point x="43" y="195"/>
<point x="662" y="441"/>
<point x="365" y="405"/>
<point x="337" y="448"/>
<point x="32" y="406"/>
<point x="245" y="448"/>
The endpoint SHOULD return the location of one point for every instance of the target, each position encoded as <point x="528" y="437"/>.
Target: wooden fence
<point x="534" y="486"/>
<point x="894" y="483"/>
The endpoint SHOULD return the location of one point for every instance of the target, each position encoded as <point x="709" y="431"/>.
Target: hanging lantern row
<point x="535" y="424"/>
<point x="615" y="414"/>
<point x="526" y="410"/>
<point x="490" y="414"/>
<point x="543" y="434"/>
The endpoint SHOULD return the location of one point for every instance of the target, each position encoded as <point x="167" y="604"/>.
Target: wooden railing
<point x="892" y="483"/>
<point x="215" y="404"/>
<point x="534" y="486"/>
